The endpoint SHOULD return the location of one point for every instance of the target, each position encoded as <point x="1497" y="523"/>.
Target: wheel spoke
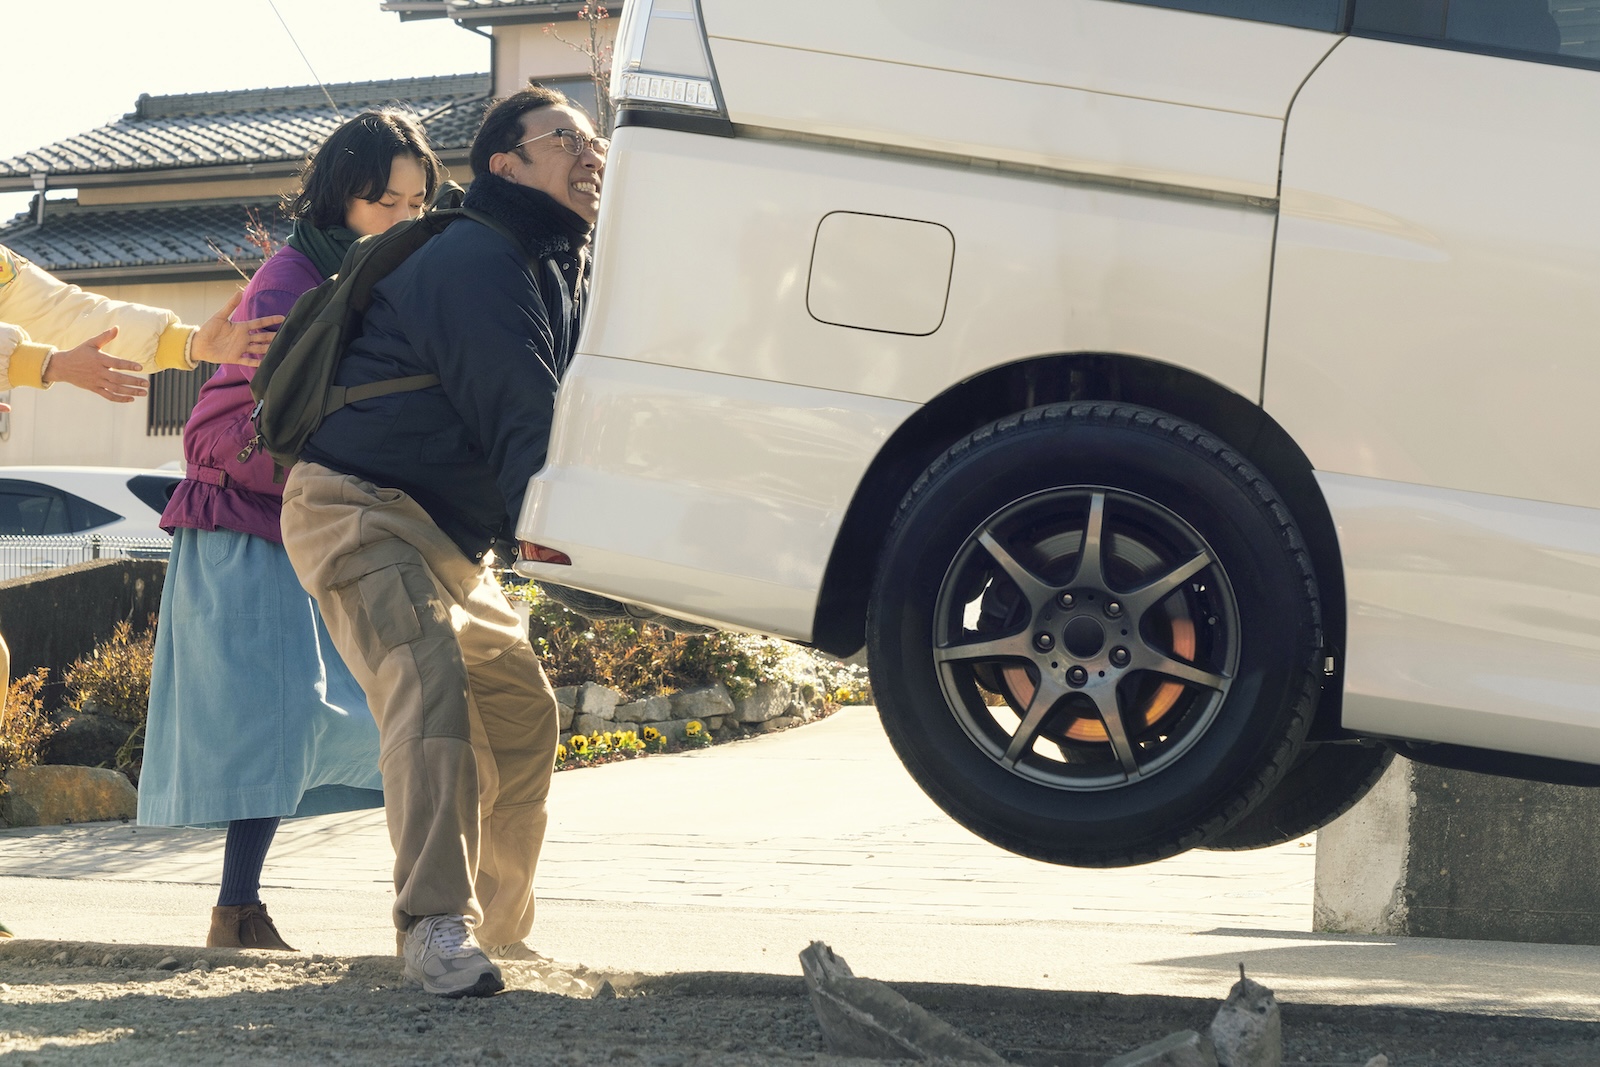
<point x="1109" y="706"/>
<point x="1015" y="646"/>
<point x="1149" y="595"/>
<point x="1033" y="587"/>
<point x="1091" y="568"/>
<point x="1183" y="672"/>
<point x="1044" y="698"/>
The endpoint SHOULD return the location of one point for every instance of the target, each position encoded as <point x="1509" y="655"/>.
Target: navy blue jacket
<point x="497" y="324"/>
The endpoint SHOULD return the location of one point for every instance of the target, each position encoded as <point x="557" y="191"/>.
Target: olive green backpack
<point x="294" y="385"/>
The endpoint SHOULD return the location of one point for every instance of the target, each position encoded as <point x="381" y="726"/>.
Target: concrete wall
<point x="51" y="619"/>
<point x="1442" y="853"/>
<point x="69" y="425"/>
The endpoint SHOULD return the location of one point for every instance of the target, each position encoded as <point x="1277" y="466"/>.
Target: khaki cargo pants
<point x="466" y="718"/>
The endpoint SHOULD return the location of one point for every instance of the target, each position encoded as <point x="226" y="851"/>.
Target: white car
<point x="1189" y="403"/>
<point x="55" y="516"/>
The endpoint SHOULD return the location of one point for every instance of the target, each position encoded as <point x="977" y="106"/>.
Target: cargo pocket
<point x="387" y="597"/>
<point x="383" y="600"/>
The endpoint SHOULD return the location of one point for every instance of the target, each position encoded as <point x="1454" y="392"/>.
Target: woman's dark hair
<point x="502" y="126"/>
<point x="354" y="162"/>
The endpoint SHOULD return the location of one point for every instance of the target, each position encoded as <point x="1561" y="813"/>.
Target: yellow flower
<point x="693" y="727"/>
<point x="652" y="734"/>
<point x="561" y="753"/>
<point x="580" y="744"/>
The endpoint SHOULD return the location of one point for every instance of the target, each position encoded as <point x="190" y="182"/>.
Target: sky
<point x="72" y="65"/>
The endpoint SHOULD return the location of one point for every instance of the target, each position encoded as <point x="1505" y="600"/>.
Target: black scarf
<point x="540" y="223"/>
<point x="324" y="246"/>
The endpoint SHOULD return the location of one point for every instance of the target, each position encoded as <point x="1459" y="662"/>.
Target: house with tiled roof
<point x="173" y="205"/>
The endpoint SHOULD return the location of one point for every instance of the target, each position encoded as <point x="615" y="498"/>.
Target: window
<point x="32" y="509"/>
<point x="172" y="397"/>
<point x="1559" y="29"/>
<point x="1309" y="14"/>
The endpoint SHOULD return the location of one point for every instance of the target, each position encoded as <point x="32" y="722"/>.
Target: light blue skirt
<point x="251" y="707"/>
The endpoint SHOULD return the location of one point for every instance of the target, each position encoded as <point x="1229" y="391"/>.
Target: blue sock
<point x="242" y="860"/>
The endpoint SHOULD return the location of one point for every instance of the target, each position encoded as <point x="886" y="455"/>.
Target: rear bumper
<point x="711" y="497"/>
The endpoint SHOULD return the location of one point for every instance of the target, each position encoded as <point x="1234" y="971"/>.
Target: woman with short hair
<point x="250" y="705"/>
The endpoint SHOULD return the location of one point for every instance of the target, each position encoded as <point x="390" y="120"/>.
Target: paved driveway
<point x="733" y="858"/>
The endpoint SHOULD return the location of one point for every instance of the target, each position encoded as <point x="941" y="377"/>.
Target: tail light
<point x="662" y="60"/>
<point x="540" y="554"/>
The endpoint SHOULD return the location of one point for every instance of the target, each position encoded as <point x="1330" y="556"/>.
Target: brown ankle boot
<point x="244" y="926"/>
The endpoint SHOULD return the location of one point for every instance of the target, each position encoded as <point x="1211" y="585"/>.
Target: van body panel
<point x="1473" y="619"/>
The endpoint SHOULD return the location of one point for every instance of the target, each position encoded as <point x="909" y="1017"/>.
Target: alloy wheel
<point x="1085" y="637"/>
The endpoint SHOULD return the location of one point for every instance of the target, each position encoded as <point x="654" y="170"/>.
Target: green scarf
<point x="324" y="246"/>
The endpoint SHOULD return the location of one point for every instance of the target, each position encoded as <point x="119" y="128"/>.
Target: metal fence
<point x="22" y="556"/>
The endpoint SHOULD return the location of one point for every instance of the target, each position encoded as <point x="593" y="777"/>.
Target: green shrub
<point x="642" y="660"/>
<point x="116" y="675"/>
<point x="24" y="726"/>
<point x="115" y="679"/>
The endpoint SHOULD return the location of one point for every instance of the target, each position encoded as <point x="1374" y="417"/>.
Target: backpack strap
<point x="340" y="395"/>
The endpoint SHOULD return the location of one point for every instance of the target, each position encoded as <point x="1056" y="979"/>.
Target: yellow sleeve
<point x="65" y="316"/>
<point x="172" y="347"/>
<point x="27" y="364"/>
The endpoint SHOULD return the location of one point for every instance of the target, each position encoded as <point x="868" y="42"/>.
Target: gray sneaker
<point x="441" y="953"/>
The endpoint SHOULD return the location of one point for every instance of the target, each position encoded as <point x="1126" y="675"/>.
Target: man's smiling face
<point x="545" y="164"/>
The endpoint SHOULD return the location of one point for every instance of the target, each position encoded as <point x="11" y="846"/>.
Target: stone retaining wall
<point x="590" y="708"/>
<point x="51" y="619"/>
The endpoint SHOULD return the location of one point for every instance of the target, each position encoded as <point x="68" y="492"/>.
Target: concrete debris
<point x="168" y="963"/>
<point x="1182" y="1049"/>
<point x="1248" y="1031"/>
<point x="862" y="1017"/>
<point x="1380" y="1060"/>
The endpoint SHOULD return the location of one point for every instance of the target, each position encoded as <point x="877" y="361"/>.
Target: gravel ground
<point x="96" y="1004"/>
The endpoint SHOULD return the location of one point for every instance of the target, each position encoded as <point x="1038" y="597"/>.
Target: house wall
<point x="168" y="192"/>
<point x="526" y="50"/>
<point x="68" y="425"/>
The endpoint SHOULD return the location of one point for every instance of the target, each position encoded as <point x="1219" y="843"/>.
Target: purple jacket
<point x="221" y="492"/>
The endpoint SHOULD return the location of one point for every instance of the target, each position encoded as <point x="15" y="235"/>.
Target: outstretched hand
<point x="221" y="340"/>
<point x="89" y="368"/>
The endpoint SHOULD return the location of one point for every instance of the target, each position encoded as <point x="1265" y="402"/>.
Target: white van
<point x="1188" y="403"/>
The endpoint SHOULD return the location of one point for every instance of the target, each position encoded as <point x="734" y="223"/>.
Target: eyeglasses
<point x="573" y="141"/>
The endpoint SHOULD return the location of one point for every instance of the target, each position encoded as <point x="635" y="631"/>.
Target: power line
<point x="336" y="112"/>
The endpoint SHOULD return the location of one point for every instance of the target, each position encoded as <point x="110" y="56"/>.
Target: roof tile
<point x="77" y="238"/>
<point x="252" y="126"/>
